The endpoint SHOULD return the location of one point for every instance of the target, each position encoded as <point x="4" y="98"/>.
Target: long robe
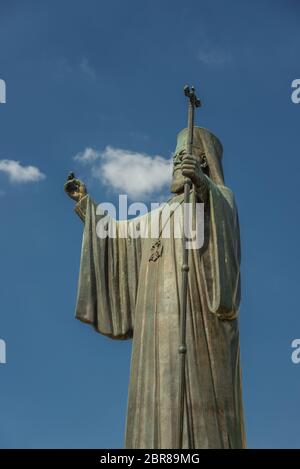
<point x="123" y="295"/>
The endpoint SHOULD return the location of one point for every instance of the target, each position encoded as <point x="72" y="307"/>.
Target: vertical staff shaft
<point x="193" y="101"/>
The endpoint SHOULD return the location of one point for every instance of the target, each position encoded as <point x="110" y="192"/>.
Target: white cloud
<point x="18" y="173"/>
<point x="63" y="68"/>
<point x="135" y="174"/>
<point x="87" y="69"/>
<point x="89" y="155"/>
<point x="214" y="57"/>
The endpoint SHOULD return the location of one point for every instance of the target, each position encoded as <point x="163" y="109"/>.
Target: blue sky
<point x="110" y="74"/>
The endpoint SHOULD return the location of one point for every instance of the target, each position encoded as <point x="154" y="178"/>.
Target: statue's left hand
<point x="191" y="168"/>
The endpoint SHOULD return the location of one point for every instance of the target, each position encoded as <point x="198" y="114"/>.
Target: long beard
<point x="177" y="184"/>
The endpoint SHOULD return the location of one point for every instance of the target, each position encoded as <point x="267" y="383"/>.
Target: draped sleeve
<point x="108" y="278"/>
<point x="220" y="260"/>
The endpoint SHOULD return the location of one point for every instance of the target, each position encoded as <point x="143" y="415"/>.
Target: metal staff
<point x="193" y="102"/>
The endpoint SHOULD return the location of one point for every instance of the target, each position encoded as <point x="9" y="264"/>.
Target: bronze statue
<point x="131" y="287"/>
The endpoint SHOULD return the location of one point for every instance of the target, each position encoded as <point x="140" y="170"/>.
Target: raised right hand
<point x="75" y="188"/>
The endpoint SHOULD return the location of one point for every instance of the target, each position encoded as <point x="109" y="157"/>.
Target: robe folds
<point x="124" y="295"/>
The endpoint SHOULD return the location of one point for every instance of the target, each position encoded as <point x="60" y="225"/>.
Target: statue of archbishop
<point x="129" y="288"/>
